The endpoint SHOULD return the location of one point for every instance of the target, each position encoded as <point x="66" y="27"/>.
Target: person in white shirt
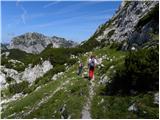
<point x="92" y="62"/>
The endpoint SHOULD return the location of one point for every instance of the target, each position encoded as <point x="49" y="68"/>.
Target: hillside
<point x="65" y="94"/>
<point x="131" y="26"/>
<point x="126" y="81"/>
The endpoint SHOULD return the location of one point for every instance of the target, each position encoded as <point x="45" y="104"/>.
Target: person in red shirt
<point x="91" y="65"/>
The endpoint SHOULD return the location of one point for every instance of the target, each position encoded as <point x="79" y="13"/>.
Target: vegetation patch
<point x="66" y="103"/>
<point x="110" y="33"/>
<point x="139" y="73"/>
<point x="116" y="107"/>
<point x="153" y="14"/>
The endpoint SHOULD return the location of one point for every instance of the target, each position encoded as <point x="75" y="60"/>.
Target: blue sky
<point x="74" y="20"/>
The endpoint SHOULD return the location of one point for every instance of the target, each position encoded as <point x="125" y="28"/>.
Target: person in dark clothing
<point x="80" y="68"/>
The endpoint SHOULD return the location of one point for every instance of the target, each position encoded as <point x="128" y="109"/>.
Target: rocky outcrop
<point x="2" y="79"/>
<point x="131" y="24"/>
<point x="36" y="42"/>
<point x="30" y="74"/>
<point x="133" y="107"/>
<point x="10" y="73"/>
<point x="56" y="76"/>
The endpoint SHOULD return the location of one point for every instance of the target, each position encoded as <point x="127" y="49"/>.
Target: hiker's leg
<point x="90" y="74"/>
<point x="93" y="74"/>
<point x="78" y="72"/>
<point x="82" y="73"/>
<point x="92" y="71"/>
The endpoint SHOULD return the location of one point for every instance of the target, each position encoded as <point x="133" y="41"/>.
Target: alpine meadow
<point x="80" y="60"/>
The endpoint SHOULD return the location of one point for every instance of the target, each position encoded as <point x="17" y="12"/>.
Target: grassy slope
<point x="76" y="87"/>
<point x="74" y="94"/>
<point x="104" y="106"/>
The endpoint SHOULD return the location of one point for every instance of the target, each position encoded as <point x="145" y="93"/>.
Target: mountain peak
<point x="29" y="36"/>
<point x="34" y="42"/>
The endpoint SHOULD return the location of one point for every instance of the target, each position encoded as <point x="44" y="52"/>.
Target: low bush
<point x="153" y="14"/>
<point x="140" y="72"/>
<point x="18" y="87"/>
<point x="9" y="80"/>
<point x="110" y="33"/>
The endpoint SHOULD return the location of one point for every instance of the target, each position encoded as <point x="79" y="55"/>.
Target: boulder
<point x="133" y="107"/>
<point x="156" y="98"/>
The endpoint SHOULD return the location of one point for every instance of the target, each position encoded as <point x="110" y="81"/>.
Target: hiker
<point x="80" y="68"/>
<point x="91" y="65"/>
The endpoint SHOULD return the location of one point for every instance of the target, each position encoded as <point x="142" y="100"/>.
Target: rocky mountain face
<point x="36" y="42"/>
<point x="132" y="24"/>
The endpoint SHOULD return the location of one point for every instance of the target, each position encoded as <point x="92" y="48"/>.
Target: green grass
<point x="112" y="107"/>
<point x="116" y="107"/>
<point x="75" y="93"/>
<point x="78" y="88"/>
<point x="109" y="52"/>
<point x="72" y="95"/>
<point x="16" y="66"/>
<point x="117" y="60"/>
<point x="22" y="56"/>
<point x="31" y="99"/>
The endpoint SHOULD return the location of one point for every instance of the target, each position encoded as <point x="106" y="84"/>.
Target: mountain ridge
<point x="33" y="42"/>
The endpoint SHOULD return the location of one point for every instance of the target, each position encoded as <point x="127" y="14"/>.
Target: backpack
<point x="92" y="63"/>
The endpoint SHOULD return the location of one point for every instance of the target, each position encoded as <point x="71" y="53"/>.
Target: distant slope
<point x="36" y="42"/>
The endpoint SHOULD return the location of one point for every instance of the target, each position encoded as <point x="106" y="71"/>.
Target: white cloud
<point x="50" y="4"/>
<point x="24" y="11"/>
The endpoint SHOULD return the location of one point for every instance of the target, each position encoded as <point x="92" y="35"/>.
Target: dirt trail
<point x="86" y="109"/>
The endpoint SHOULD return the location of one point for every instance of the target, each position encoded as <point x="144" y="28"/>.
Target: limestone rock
<point x="133" y="107"/>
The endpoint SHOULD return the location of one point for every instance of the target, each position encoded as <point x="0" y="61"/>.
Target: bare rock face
<point x="11" y="73"/>
<point x="36" y="42"/>
<point x="30" y="74"/>
<point x="132" y="23"/>
<point x="2" y="79"/>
